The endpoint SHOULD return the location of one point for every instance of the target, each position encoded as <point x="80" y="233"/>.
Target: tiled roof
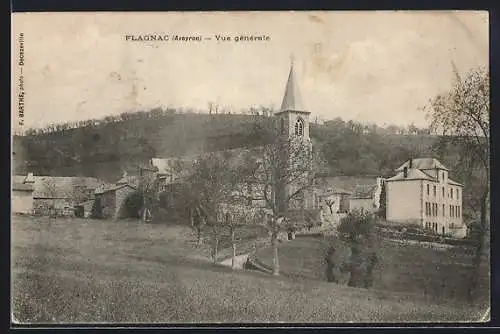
<point x="345" y="183"/>
<point x="129" y="179"/>
<point x="112" y="187"/>
<point x="365" y="191"/>
<point x="455" y="183"/>
<point x="22" y="186"/>
<point x="413" y="174"/>
<point x="334" y="190"/>
<point x="422" y="163"/>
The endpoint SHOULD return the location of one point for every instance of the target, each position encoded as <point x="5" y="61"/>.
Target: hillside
<point x="106" y="148"/>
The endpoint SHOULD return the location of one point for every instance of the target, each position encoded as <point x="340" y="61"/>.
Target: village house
<point x="366" y="198"/>
<point x="421" y="193"/>
<point x="22" y="194"/>
<point x="59" y="195"/>
<point x="333" y="199"/>
<point x="111" y="198"/>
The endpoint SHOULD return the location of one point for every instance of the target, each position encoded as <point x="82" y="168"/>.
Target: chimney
<point x="410" y="165"/>
<point x="405" y="172"/>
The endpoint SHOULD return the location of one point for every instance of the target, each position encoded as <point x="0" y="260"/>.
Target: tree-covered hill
<point x="105" y="148"/>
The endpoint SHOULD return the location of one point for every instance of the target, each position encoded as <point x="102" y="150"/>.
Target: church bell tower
<point x="293" y="127"/>
<point x="292" y="117"/>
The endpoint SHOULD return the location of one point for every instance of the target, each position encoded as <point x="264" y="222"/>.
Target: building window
<point x="458" y="211"/>
<point x="456" y="193"/>
<point x="434" y="189"/>
<point x="427" y="190"/>
<point x="443" y="192"/>
<point x="427" y="209"/>
<point x="299" y="127"/>
<point x="282" y="126"/>
<point x="444" y="211"/>
<point x="451" y="192"/>
<point x="451" y="210"/>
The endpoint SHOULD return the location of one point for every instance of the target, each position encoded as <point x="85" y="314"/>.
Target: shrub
<point x="358" y="230"/>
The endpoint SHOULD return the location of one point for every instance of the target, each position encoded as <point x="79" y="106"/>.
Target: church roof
<point x="292" y="100"/>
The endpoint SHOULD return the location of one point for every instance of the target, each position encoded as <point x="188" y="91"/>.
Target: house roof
<point x="345" y="183"/>
<point x="364" y="191"/>
<point x="23" y="178"/>
<point x="61" y="186"/>
<point x="455" y="183"/>
<point x="334" y="190"/>
<point x="112" y="187"/>
<point x="413" y="174"/>
<point x="90" y="201"/>
<point x="22" y="186"/>
<point x="292" y="100"/>
<point x="423" y="163"/>
<point x="128" y="179"/>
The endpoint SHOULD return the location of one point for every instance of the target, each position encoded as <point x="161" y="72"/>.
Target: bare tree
<point x="330" y="202"/>
<point x="211" y="184"/>
<point x="462" y="118"/>
<point x="284" y="173"/>
<point x="236" y="214"/>
<point x="148" y="188"/>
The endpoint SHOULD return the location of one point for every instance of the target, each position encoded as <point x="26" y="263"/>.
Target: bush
<point x="358" y="230"/>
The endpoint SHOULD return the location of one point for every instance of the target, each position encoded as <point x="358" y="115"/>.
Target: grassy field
<point x="432" y="275"/>
<point x="84" y="271"/>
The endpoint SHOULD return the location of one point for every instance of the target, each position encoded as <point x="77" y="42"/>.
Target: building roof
<point x="23" y="178"/>
<point x="422" y="163"/>
<point x="455" y="183"/>
<point x="22" y="186"/>
<point x="128" y="179"/>
<point x="292" y="100"/>
<point x="364" y="191"/>
<point x="334" y="190"/>
<point x="112" y="187"/>
<point x="413" y="174"/>
<point x="345" y="183"/>
<point x="62" y="186"/>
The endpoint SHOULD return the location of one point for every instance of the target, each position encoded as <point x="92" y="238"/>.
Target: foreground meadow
<point x="84" y="271"/>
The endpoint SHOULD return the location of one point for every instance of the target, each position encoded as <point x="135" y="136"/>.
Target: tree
<point x="209" y="187"/>
<point x="148" y="188"/>
<point x="329" y="202"/>
<point x="382" y="211"/>
<point x="357" y="229"/>
<point x="461" y="116"/>
<point x="283" y="171"/>
<point x="234" y="215"/>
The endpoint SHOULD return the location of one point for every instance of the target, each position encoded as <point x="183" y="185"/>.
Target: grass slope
<point x="435" y="275"/>
<point x="80" y="271"/>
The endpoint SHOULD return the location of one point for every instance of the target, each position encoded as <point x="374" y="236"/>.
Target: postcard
<point x="250" y="167"/>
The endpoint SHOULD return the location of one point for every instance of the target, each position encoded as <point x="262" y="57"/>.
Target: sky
<point x="373" y="67"/>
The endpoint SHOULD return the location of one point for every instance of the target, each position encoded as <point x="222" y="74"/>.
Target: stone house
<point x="422" y="194"/>
<point x="112" y="199"/>
<point x="59" y="195"/>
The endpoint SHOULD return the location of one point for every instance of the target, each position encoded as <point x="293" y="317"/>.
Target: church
<point x="293" y="146"/>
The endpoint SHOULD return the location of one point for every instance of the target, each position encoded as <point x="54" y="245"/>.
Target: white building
<point x="421" y="193"/>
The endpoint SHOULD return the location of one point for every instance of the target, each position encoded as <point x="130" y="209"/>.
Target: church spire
<point x="292" y="100"/>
